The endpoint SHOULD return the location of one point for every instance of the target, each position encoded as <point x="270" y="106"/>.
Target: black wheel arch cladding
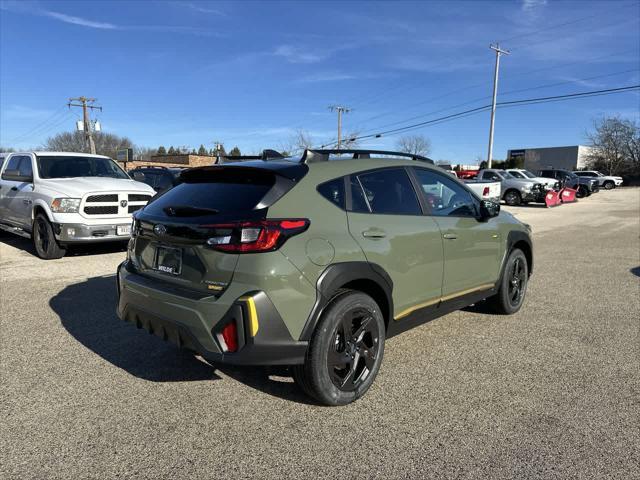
<point x="363" y="276"/>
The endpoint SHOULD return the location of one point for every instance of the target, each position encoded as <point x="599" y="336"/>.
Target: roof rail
<point x="322" y="155"/>
<point x="267" y="154"/>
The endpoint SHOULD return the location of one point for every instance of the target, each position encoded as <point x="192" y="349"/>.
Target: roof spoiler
<point x="322" y="155"/>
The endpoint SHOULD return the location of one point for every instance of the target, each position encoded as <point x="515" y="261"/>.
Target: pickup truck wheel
<point x="609" y="185"/>
<point x="512" y="198"/>
<point x="513" y="284"/>
<point x="582" y="191"/>
<point x="44" y="240"/>
<point x="345" y="351"/>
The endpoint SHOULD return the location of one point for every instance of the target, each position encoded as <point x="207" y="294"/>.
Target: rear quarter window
<point x="333" y="191"/>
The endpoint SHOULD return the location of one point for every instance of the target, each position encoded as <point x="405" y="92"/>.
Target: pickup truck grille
<point x="111" y="197"/>
<point x="120" y="204"/>
<point x="137" y="197"/>
<point x="105" y="210"/>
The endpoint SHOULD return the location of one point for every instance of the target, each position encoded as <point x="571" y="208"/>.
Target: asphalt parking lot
<point x="551" y="392"/>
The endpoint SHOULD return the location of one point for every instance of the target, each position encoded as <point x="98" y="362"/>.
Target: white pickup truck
<point x="62" y="198"/>
<point x="485" y="189"/>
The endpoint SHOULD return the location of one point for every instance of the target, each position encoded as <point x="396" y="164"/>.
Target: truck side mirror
<point x="15" y="176"/>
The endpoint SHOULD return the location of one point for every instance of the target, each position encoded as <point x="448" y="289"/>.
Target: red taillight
<point x="254" y="237"/>
<point x="229" y="337"/>
<point x="485" y="192"/>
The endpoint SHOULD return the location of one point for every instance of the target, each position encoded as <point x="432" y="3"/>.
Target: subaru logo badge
<point x="123" y="203"/>
<point x="159" y="229"/>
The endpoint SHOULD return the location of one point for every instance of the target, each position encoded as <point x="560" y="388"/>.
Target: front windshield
<point x="505" y="174"/>
<point x="528" y="174"/>
<point x="517" y="174"/>
<point x="72" y="166"/>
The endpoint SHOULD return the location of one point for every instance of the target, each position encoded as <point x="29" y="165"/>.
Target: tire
<point x="609" y="185"/>
<point x="513" y="285"/>
<point x="582" y="191"/>
<point x="512" y="198"/>
<point x="345" y="351"/>
<point x="44" y="240"/>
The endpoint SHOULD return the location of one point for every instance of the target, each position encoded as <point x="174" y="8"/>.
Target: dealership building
<point x="568" y="158"/>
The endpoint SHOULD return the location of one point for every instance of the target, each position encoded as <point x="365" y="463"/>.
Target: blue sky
<point x="252" y="73"/>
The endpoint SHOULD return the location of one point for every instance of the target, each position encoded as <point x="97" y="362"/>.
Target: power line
<point x="55" y="116"/>
<point x="592" y="93"/>
<point x="509" y="92"/>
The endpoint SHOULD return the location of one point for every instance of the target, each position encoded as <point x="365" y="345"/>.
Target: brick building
<point x="182" y="160"/>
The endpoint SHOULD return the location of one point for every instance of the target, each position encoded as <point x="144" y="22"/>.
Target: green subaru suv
<point x="314" y="262"/>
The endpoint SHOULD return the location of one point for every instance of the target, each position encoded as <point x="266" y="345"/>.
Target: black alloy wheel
<point x="345" y="351"/>
<point x="517" y="282"/>
<point x="512" y="286"/>
<point x="354" y="350"/>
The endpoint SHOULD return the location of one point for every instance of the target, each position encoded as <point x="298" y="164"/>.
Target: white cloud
<point x="299" y="55"/>
<point x="326" y="77"/>
<point x="79" y="20"/>
<point x="529" y="5"/>
<point x="31" y="8"/>
<point x="200" y="9"/>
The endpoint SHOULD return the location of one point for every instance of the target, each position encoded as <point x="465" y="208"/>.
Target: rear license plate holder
<point x="168" y="260"/>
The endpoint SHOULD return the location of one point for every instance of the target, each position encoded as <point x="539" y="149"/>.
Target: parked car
<point x="485" y="189"/>
<point x="158" y="178"/>
<point x="585" y="186"/>
<point x="608" y="182"/>
<point x="314" y="263"/>
<point x="549" y="183"/>
<point x="61" y="198"/>
<point x="514" y="190"/>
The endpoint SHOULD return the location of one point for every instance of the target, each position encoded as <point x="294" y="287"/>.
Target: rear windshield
<point x="72" y="166"/>
<point x="224" y="192"/>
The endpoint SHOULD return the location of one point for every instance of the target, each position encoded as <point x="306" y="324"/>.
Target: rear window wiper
<point x="188" y="211"/>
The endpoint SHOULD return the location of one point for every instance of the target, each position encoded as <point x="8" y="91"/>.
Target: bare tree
<point x="106" y="143"/>
<point x="296" y="143"/>
<point x="414" y="144"/>
<point x="615" y="145"/>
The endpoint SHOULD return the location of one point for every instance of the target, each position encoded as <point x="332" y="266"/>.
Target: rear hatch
<point x="192" y="235"/>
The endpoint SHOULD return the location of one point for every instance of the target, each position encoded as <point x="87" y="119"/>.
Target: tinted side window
<point x="25" y="168"/>
<point x="490" y="176"/>
<point x="358" y="201"/>
<point x="163" y="181"/>
<point x="13" y="164"/>
<point x="390" y="191"/>
<point x="444" y="196"/>
<point x="333" y="191"/>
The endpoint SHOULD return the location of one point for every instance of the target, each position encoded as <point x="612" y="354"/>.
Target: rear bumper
<point x="191" y="320"/>
<point x="82" y="233"/>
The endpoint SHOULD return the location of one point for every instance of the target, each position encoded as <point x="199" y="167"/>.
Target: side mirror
<point x="488" y="209"/>
<point x="14" y="176"/>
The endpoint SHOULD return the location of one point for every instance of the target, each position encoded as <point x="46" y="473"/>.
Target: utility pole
<point x="340" y="109"/>
<point x="499" y="52"/>
<point x="86" y="121"/>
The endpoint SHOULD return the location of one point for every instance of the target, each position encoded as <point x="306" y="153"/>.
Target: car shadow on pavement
<point x="76" y="251"/>
<point x="87" y="310"/>
<point x="635" y="271"/>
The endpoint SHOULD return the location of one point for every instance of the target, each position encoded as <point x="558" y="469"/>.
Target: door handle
<point x="450" y="236"/>
<point x="15" y="189"/>
<point x="374" y="234"/>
